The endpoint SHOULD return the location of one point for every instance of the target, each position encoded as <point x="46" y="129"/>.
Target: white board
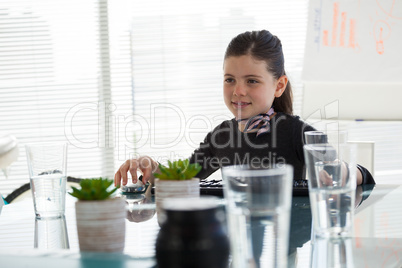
<point x="351" y="101"/>
<point x="354" y="41"/>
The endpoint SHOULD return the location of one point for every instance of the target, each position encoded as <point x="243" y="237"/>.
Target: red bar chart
<point x="343" y="30"/>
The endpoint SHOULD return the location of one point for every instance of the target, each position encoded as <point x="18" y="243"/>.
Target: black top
<point x="226" y="145"/>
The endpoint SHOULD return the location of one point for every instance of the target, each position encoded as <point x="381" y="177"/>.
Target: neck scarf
<point x="260" y="122"/>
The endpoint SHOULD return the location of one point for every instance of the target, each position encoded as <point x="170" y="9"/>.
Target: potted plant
<point x="100" y="218"/>
<point x="176" y="180"/>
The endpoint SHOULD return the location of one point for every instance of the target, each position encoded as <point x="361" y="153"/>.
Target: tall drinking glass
<point x="51" y="233"/>
<point x="332" y="253"/>
<point x="331" y="137"/>
<point x="332" y="185"/>
<point x="258" y="210"/>
<point x="47" y="164"/>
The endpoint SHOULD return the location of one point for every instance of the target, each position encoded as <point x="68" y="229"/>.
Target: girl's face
<point x="248" y="88"/>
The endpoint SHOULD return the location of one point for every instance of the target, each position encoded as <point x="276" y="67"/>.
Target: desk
<point x="17" y="231"/>
<point x="377" y="241"/>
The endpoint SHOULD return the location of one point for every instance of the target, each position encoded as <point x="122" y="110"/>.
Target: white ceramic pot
<point x="172" y="189"/>
<point x="101" y="225"/>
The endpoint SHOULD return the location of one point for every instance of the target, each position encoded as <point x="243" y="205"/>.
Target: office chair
<point x="365" y="154"/>
<point x="24" y="190"/>
<point x="8" y="154"/>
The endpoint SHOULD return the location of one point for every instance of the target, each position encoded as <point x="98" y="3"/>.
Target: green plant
<point x="93" y="189"/>
<point x="178" y="170"/>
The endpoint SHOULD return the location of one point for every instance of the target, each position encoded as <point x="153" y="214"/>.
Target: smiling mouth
<point x="240" y="104"/>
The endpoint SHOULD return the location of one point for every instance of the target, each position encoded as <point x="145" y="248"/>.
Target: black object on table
<point x="215" y="188"/>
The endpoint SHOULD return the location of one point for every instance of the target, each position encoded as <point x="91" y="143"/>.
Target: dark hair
<point x="262" y="45"/>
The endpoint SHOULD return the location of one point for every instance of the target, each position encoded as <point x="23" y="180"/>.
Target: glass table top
<point x="377" y="240"/>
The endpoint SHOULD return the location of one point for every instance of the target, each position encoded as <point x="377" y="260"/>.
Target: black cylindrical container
<point x="193" y="234"/>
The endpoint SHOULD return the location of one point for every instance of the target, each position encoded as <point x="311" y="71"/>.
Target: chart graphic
<point x="354" y="40"/>
<point x="343" y="30"/>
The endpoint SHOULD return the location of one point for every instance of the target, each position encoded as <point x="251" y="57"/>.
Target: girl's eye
<point x="252" y="81"/>
<point x="229" y="80"/>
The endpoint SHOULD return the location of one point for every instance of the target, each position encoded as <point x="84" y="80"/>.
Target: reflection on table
<point x="20" y="233"/>
<point x="377" y="241"/>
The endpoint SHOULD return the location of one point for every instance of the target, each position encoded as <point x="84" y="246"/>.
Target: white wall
<point x="345" y="101"/>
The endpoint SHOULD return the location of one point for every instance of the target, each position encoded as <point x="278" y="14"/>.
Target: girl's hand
<point x="327" y="179"/>
<point x="145" y="164"/>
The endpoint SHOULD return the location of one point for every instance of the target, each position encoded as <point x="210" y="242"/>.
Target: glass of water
<point x="47" y="164"/>
<point x="332" y="185"/>
<point x="51" y="233"/>
<point x="258" y="214"/>
<point x="332" y="253"/>
<point x="332" y="137"/>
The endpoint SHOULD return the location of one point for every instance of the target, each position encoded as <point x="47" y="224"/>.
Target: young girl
<point x="264" y="131"/>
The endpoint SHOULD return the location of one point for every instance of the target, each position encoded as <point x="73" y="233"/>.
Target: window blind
<point x="50" y="82"/>
<point x="121" y="78"/>
<point x="176" y="51"/>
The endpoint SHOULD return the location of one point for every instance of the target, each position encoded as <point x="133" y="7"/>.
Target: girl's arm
<point x="145" y="164"/>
